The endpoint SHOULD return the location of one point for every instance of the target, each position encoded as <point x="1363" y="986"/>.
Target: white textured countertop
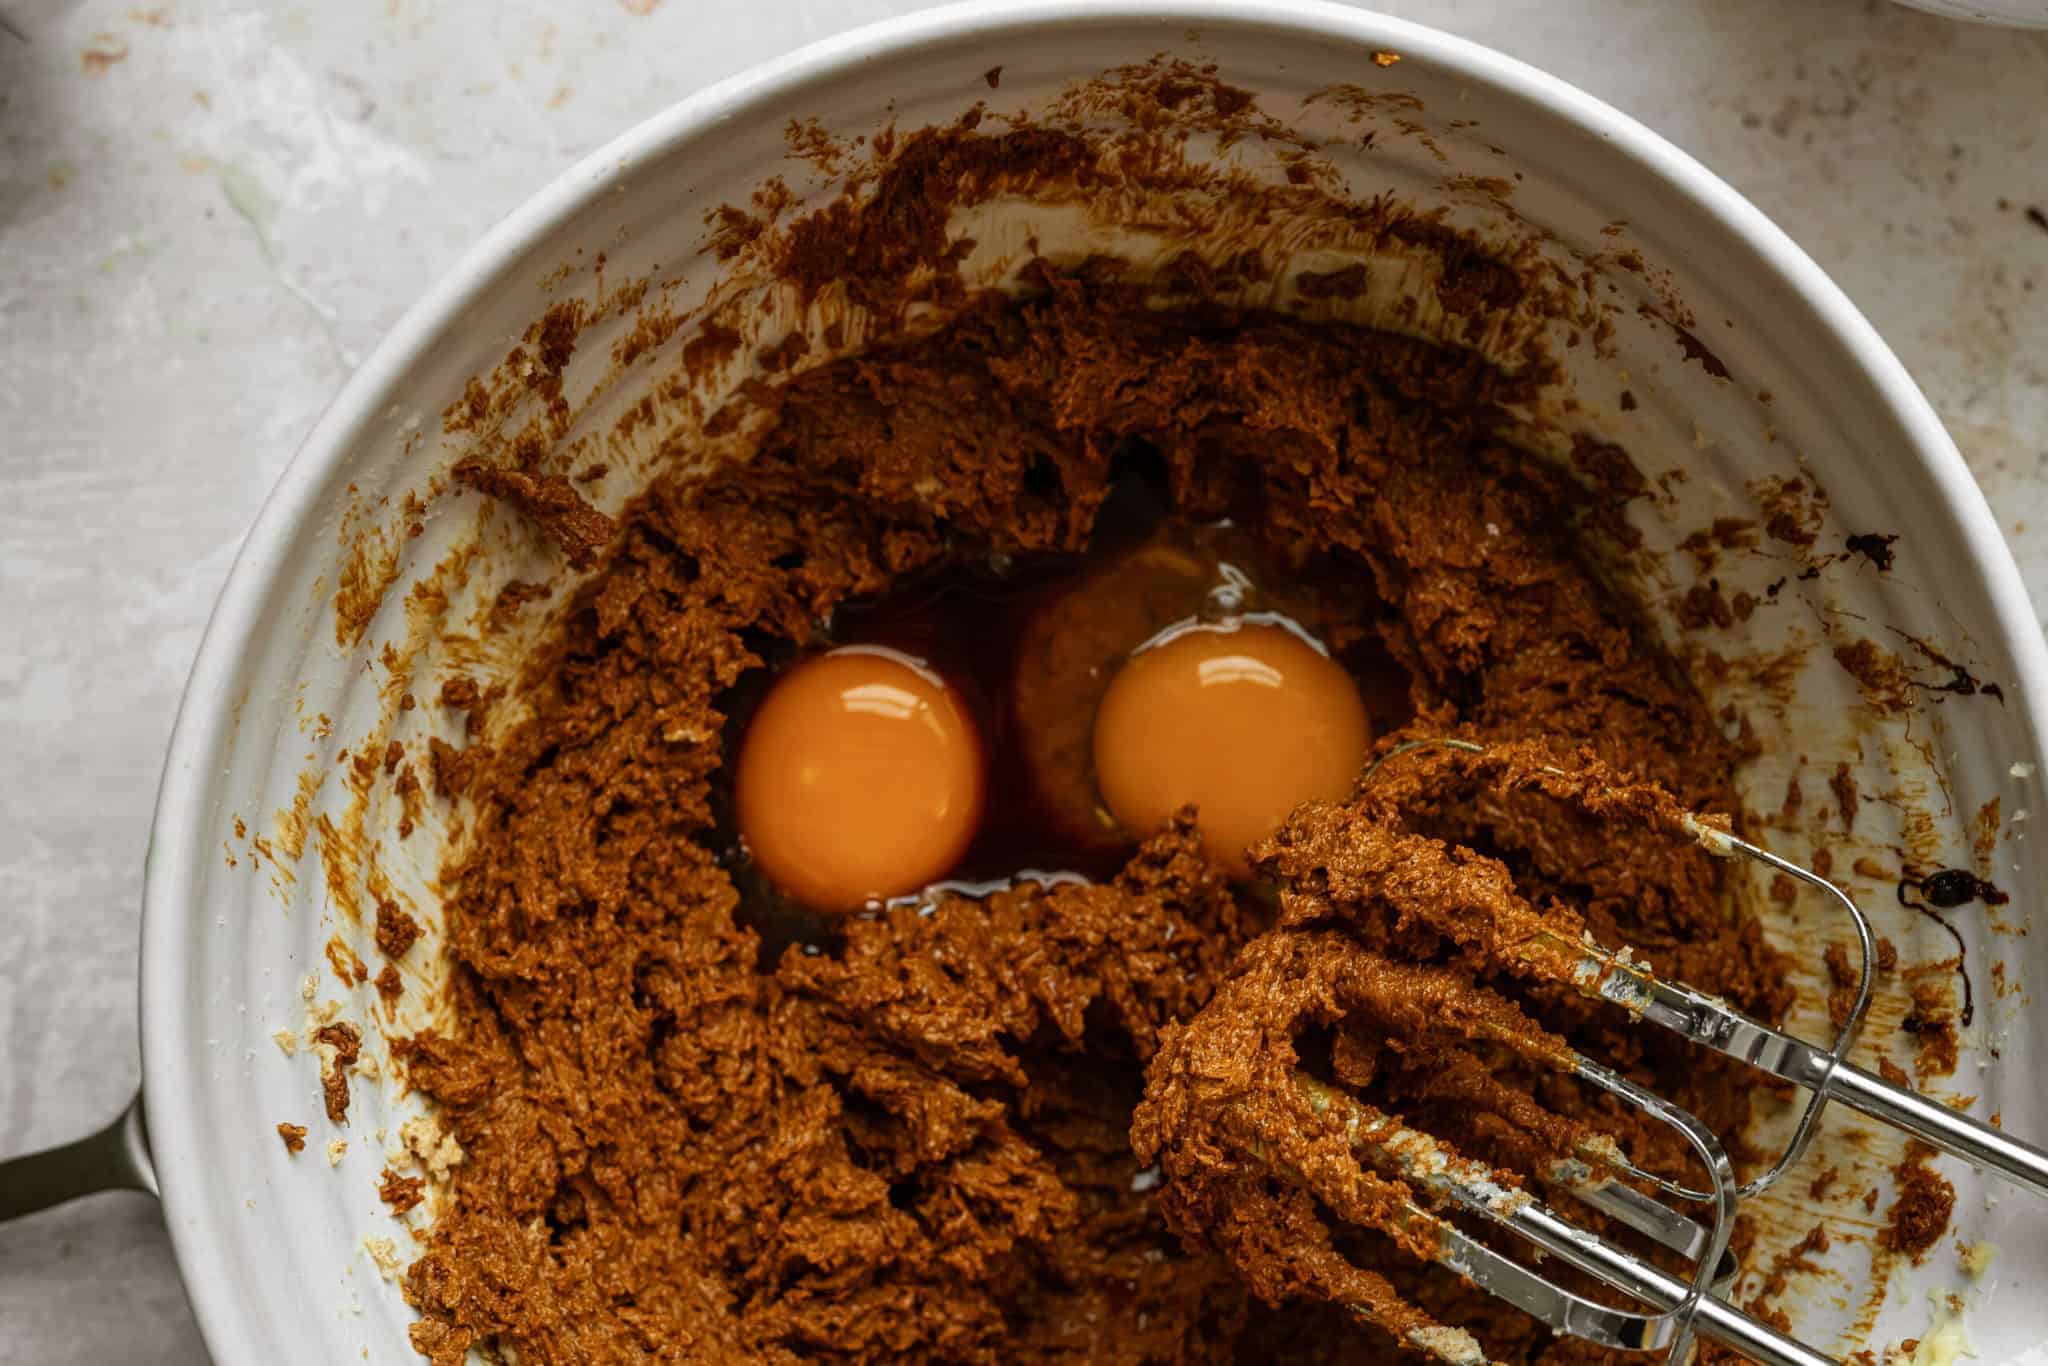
<point x="210" y="211"/>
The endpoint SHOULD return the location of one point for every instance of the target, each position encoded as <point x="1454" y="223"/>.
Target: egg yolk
<point x="860" y="778"/>
<point x="1245" y="721"/>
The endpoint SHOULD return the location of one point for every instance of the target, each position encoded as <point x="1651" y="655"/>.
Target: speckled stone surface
<point x="210" y="211"/>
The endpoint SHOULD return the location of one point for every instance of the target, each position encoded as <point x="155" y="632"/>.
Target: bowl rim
<point x="205" y="717"/>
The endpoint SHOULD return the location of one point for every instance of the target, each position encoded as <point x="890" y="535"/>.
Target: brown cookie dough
<point x="342" y="1043"/>
<point x="1919" y="1213"/>
<point x="396" y="930"/>
<point x="912" y="1142"/>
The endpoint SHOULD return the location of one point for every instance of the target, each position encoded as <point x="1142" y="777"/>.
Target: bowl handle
<point x="115" y="1158"/>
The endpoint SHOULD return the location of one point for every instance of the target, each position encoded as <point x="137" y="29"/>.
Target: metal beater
<point x="1674" y="1308"/>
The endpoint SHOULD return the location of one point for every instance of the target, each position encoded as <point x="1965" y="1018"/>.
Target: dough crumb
<point x="383" y="1254"/>
<point x="340" y="1044"/>
<point x="401" y="1193"/>
<point x="396" y="930"/>
<point x="433" y="1147"/>
<point x="1945" y="1340"/>
<point x="1921" y="1210"/>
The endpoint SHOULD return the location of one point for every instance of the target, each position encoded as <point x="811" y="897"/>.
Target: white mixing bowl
<point x="2012" y="13"/>
<point x="246" y="887"/>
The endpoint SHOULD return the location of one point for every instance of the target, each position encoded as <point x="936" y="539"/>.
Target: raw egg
<point x="1245" y="720"/>
<point x="860" y="778"/>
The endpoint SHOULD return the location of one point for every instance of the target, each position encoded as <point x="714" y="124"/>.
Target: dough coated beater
<point x="1646" y="1263"/>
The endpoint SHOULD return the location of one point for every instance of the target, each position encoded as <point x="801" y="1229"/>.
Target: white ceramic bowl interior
<point x="2010" y="13"/>
<point x="272" y="1248"/>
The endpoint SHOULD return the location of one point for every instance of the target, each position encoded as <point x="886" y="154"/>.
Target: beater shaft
<point x="1976" y="1143"/>
<point x="1717" y="1025"/>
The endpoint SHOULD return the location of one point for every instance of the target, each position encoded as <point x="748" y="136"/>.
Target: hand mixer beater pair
<point x="1365" y="1166"/>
